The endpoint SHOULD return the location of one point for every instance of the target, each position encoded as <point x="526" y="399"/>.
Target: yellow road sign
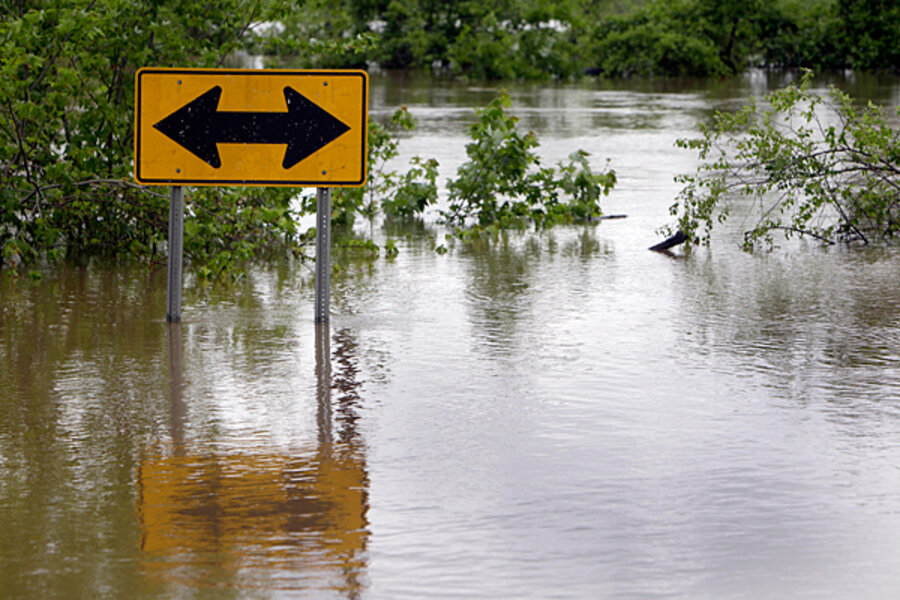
<point x="250" y="127"/>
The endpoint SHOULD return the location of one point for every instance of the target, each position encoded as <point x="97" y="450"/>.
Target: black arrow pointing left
<point x="198" y="126"/>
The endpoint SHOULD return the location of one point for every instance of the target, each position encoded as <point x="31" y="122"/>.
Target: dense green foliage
<point x="502" y="39"/>
<point x="565" y="38"/>
<point x="503" y="184"/>
<point x="66" y="136"/>
<point x="813" y="165"/>
<point x="66" y="130"/>
<point x="67" y="101"/>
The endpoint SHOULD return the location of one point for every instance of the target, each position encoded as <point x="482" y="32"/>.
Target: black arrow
<point x="198" y="127"/>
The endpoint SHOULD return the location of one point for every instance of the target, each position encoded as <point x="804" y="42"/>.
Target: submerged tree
<point x="813" y="165"/>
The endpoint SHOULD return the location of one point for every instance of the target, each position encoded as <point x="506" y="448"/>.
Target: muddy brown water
<point x="563" y="415"/>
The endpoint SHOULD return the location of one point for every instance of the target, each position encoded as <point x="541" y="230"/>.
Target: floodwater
<point x="563" y="415"/>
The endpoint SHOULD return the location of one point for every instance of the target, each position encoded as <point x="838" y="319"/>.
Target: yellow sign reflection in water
<point x="210" y="520"/>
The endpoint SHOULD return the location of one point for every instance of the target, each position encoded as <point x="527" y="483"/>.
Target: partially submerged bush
<point x="503" y="184"/>
<point x="813" y="165"/>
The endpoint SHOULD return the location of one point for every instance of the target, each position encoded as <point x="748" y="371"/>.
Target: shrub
<point x="812" y="165"/>
<point x="503" y="184"/>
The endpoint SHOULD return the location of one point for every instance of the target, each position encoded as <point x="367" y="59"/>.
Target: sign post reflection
<point x="259" y="518"/>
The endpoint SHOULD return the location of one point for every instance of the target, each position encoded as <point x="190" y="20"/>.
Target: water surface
<point x="556" y="416"/>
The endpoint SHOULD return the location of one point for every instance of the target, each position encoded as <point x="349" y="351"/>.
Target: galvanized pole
<point x="176" y="235"/>
<point x="323" y="254"/>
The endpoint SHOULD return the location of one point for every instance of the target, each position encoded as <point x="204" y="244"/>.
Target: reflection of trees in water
<point x="91" y="332"/>
<point x="499" y="286"/>
<point x="345" y="381"/>
<point x="414" y="229"/>
<point x="504" y="277"/>
<point x="264" y="519"/>
<point x="816" y="323"/>
<point x="83" y="358"/>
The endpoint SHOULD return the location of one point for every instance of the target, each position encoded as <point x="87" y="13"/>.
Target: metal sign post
<point x="246" y="127"/>
<point x="176" y="239"/>
<point x="323" y="254"/>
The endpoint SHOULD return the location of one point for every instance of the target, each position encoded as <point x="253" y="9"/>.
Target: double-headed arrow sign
<point x="199" y="127"/>
<point x="318" y="117"/>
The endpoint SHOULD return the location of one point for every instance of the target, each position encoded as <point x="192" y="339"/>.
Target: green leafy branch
<point x="811" y="165"/>
<point x="392" y="192"/>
